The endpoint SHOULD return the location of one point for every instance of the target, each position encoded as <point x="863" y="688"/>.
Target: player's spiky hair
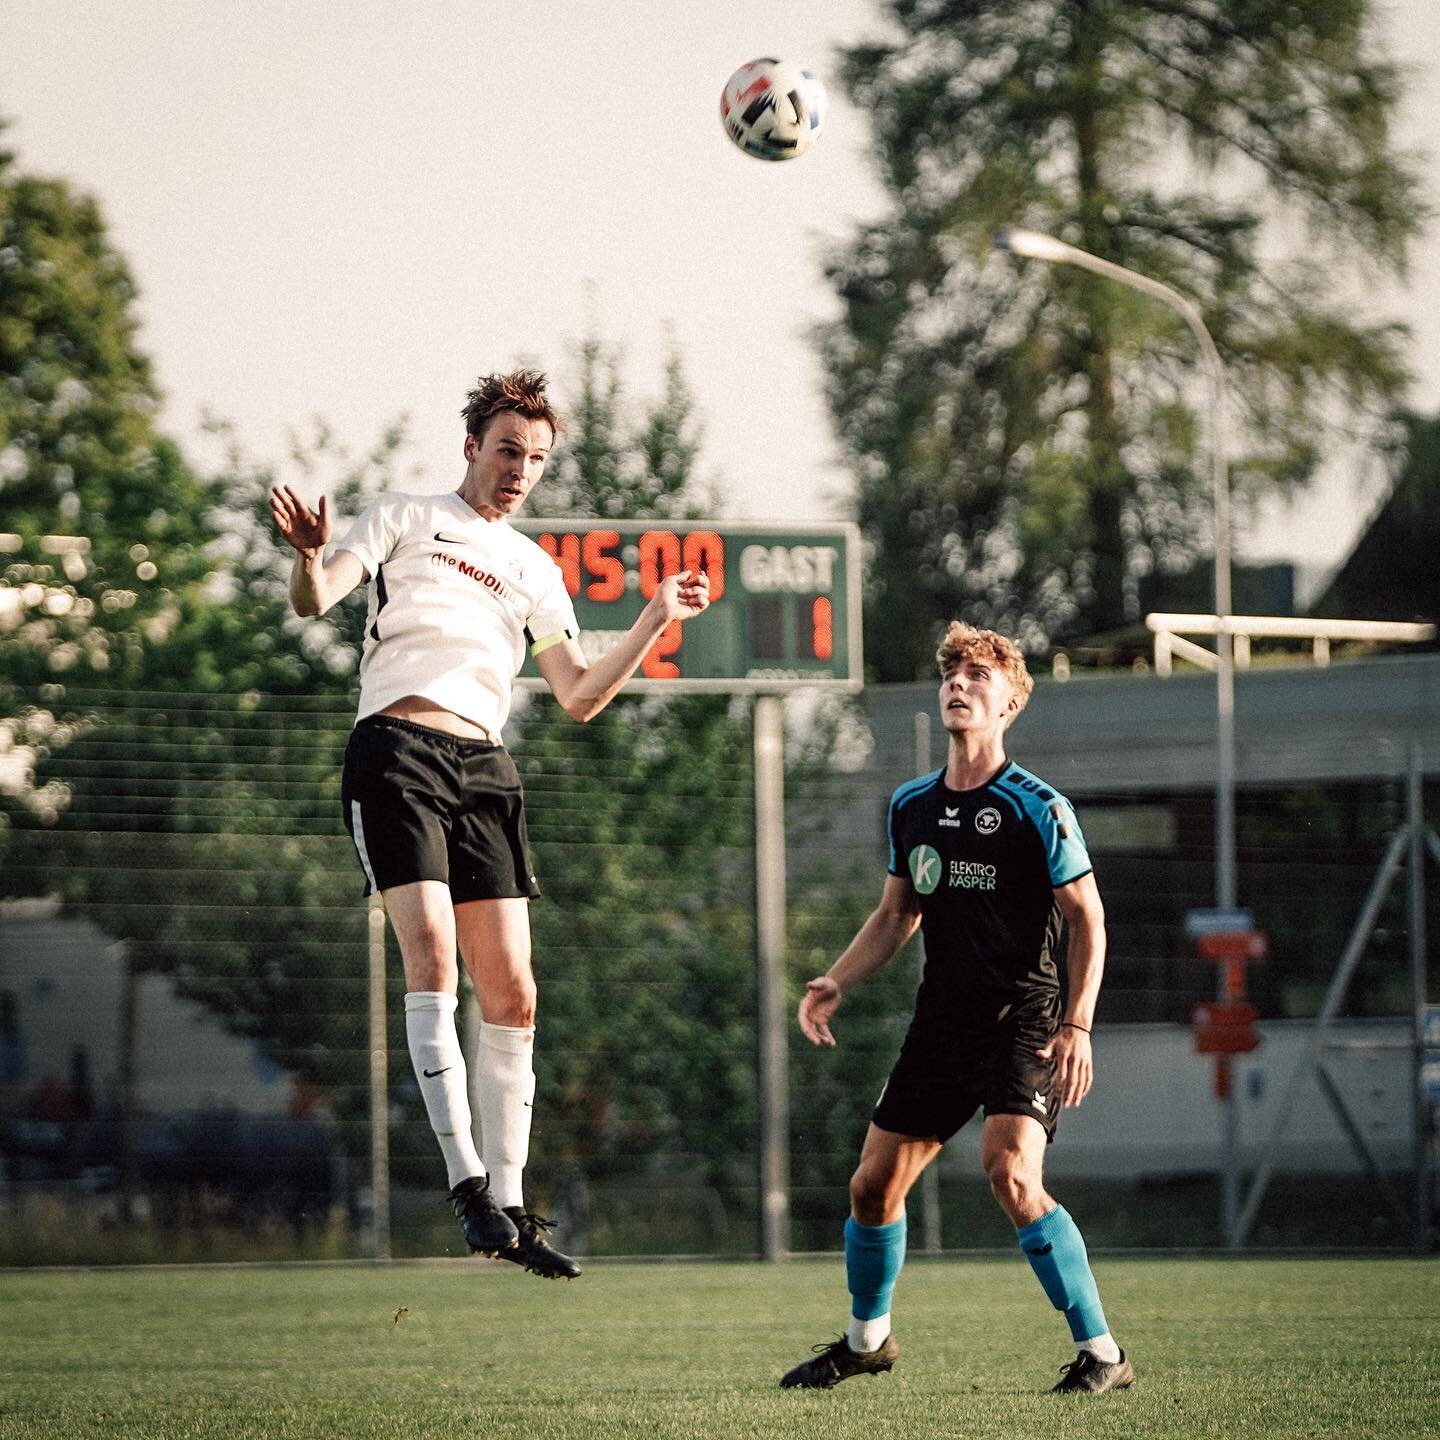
<point x="964" y="642"/>
<point x="522" y="392"/>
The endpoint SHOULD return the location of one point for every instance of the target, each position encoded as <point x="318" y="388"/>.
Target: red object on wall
<point x="1226" y="1027"/>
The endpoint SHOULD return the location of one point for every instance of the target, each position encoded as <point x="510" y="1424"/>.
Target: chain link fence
<point x="185" y="1002"/>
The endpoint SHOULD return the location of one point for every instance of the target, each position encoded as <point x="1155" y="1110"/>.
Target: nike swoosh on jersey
<point x="450" y="539"/>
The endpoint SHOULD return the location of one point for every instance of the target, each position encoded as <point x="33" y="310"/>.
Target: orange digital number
<point x="655" y="666"/>
<point x="608" y="582"/>
<point x="659" y="559"/>
<point x="822" y="629"/>
<point x="564" y="550"/>
<point x="705" y="554"/>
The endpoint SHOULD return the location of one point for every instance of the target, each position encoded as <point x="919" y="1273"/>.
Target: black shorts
<point x="423" y="805"/>
<point x="941" y="1080"/>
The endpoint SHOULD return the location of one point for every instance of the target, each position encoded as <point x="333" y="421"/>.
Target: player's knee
<point x="429" y="958"/>
<point x="1010" y="1180"/>
<point x="511" y="1004"/>
<point x="870" y="1195"/>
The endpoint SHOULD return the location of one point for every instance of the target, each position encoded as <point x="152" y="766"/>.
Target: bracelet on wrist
<point x="1071" y="1025"/>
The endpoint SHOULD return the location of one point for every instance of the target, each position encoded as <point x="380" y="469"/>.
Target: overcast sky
<point x="351" y="209"/>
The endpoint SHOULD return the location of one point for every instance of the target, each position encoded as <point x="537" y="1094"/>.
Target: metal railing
<point x="1170" y="631"/>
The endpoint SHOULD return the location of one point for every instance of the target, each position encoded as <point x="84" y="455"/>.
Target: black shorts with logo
<point x="944" y="1075"/>
<point x="423" y="805"/>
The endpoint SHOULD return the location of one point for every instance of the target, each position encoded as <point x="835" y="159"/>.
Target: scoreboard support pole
<point x="773" y="1017"/>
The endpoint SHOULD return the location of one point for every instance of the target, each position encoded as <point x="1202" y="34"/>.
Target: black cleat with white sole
<point x="488" y="1229"/>
<point x="532" y="1250"/>
<point x="836" y="1361"/>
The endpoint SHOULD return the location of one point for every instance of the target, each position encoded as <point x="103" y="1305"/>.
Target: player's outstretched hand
<point x="1074" y="1064"/>
<point x="304" y="529"/>
<point x="684" y="594"/>
<point x="822" y="996"/>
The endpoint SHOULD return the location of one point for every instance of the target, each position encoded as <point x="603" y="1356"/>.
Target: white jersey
<point x="454" y="599"/>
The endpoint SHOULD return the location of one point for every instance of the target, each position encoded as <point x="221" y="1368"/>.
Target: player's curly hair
<point x="522" y="392"/>
<point x="964" y="642"/>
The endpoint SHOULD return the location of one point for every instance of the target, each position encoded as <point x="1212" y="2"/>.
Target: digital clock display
<point x="784" y="600"/>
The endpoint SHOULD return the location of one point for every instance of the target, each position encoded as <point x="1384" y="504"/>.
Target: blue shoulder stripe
<point x="1053" y="817"/>
<point x="904" y="793"/>
<point x="913" y="787"/>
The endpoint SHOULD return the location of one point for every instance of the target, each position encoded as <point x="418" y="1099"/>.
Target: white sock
<point x="440" y="1072"/>
<point x="1103" y="1347"/>
<point x="868" y="1335"/>
<point x="503" y="1092"/>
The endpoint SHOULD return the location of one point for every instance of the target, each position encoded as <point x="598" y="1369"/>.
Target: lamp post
<point x="1031" y="245"/>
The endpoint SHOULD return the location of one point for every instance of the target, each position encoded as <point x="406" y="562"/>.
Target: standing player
<point x="990" y="862"/>
<point x="433" y="801"/>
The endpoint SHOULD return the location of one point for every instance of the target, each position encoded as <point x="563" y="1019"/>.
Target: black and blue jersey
<point x="985" y="864"/>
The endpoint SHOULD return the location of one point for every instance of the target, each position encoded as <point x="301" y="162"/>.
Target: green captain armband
<point x="540" y="646"/>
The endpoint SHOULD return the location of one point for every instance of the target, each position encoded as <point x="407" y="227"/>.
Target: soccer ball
<point x="773" y="109"/>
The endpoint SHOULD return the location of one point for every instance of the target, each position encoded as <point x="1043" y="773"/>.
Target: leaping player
<point x="431" y="798"/>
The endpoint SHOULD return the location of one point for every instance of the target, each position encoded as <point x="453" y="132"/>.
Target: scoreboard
<point x="784" y="600"/>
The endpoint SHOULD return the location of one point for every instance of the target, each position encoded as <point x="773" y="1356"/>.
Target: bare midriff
<point x="420" y="711"/>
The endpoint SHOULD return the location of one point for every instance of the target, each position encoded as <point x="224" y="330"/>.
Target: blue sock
<point x="1056" y="1252"/>
<point x="873" y="1257"/>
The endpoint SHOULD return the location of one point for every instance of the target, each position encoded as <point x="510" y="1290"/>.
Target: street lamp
<point x="1031" y="245"/>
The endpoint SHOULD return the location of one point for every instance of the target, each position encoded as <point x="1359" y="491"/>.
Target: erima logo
<point x="925" y="868"/>
<point x="1039" y="1103"/>
<point x="948" y="821"/>
<point x="987" y="822"/>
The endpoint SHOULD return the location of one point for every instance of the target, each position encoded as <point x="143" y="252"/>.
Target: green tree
<point x="89" y="490"/>
<point x="179" y="732"/>
<point x="120" y="565"/>
<point x="614" y="466"/>
<point x="1025" y="436"/>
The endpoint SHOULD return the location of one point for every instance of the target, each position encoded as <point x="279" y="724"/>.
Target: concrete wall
<point x="65" y="978"/>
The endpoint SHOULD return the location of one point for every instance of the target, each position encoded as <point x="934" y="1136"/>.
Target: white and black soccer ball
<point x="773" y="109"/>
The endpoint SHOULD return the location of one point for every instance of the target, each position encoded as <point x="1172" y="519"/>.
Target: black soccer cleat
<point x="488" y="1229"/>
<point x="836" y="1361"/>
<point x="1087" y="1375"/>
<point x="532" y="1250"/>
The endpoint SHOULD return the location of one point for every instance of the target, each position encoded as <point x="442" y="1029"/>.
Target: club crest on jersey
<point x="987" y="822"/>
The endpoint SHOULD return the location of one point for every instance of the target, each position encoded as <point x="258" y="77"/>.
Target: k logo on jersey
<point x="925" y="869"/>
<point x="987" y="822"/>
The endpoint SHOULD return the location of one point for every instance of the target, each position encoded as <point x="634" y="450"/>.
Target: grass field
<point x="1235" y="1348"/>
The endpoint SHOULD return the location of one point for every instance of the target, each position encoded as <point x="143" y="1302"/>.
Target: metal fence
<point x="186" y="1000"/>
